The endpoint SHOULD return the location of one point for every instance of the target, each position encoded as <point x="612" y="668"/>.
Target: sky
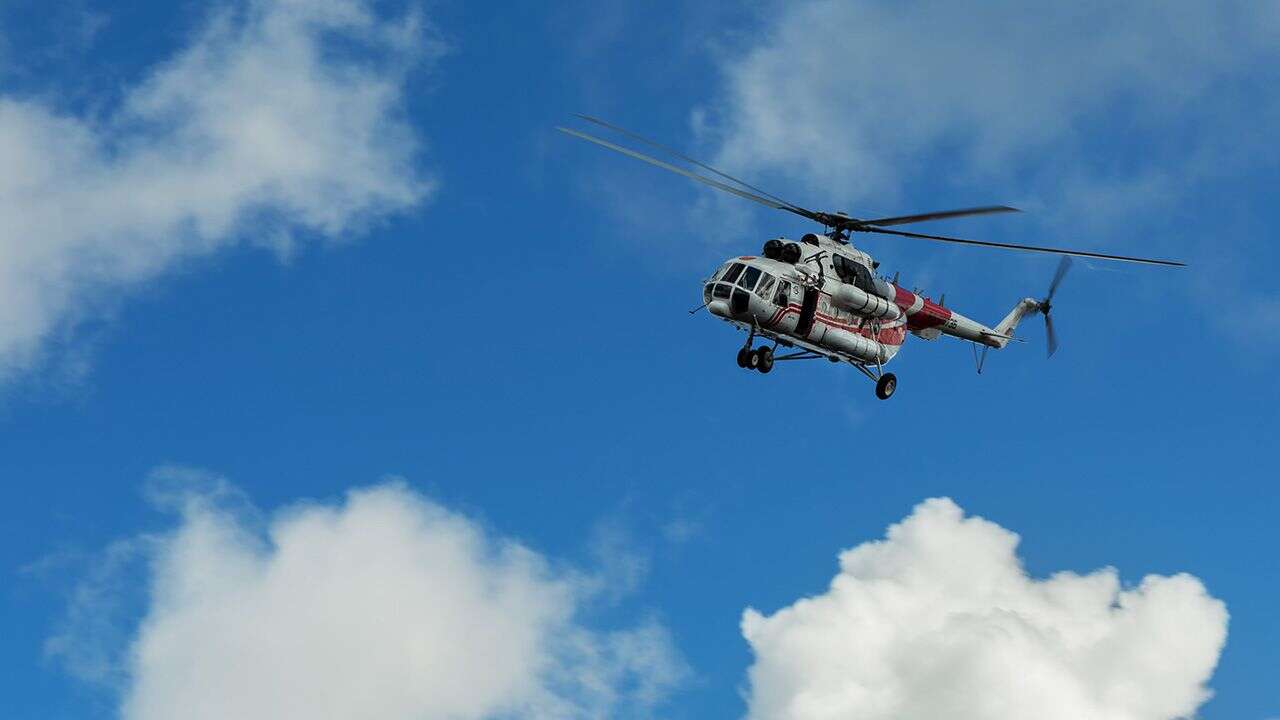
<point x="335" y="383"/>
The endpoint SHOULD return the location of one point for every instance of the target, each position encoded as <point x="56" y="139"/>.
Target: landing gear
<point x="760" y="359"/>
<point x="764" y="359"/>
<point x="886" y="385"/>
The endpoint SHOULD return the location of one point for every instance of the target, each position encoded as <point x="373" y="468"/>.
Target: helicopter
<point x="820" y="297"/>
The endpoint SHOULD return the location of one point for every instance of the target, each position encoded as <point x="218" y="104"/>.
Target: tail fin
<point x="1010" y="322"/>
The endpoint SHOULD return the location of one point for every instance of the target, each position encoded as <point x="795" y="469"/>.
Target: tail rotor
<point x="1047" y="304"/>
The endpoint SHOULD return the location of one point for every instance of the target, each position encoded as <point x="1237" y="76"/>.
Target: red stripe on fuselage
<point x="930" y="314"/>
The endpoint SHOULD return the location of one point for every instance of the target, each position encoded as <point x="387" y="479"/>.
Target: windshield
<point x="734" y="271"/>
<point x="749" y="278"/>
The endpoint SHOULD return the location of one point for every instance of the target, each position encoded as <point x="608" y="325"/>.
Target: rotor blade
<point x="691" y="175"/>
<point x="1063" y="265"/>
<point x="1050" y="336"/>
<point x="686" y="158"/>
<point x="941" y="215"/>
<point x="1028" y="248"/>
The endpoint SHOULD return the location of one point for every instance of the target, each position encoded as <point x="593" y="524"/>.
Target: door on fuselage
<point x="808" y="311"/>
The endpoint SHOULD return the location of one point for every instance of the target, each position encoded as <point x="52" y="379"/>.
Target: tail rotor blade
<point x="1050" y="335"/>
<point x="1063" y="266"/>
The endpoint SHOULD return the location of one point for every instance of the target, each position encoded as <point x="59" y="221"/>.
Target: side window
<point x="853" y="273"/>
<point x="863" y="278"/>
<point x="748" y="280"/>
<point x="844" y="268"/>
<point x="837" y="264"/>
<point x="766" y="284"/>
<point x="734" y="271"/>
<point x="783" y="294"/>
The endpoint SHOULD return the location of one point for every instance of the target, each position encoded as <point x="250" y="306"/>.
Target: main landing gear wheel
<point x="764" y="359"/>
<point x="886" y="385"/>
<point x="758" y="359"/>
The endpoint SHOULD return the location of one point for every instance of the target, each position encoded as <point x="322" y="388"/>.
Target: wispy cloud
<point x="856" y="98"/>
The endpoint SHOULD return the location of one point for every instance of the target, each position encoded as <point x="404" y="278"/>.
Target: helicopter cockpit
<point x="735" y="281"/>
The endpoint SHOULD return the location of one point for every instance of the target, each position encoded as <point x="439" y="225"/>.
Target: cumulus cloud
<point x="856" y="95"/>
<point x="940" y="619"/>
<point x="280" y="117"/>
<point x="385" y="605"/>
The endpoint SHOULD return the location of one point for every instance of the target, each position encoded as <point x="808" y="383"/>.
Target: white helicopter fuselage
<point x="829" y="302"/>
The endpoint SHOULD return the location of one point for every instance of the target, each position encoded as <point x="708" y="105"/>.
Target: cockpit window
<point x="766" y="283"/>
<point x="784" y="292"/>
<point x="748" y="280"/>
<point x="732" y="274"/>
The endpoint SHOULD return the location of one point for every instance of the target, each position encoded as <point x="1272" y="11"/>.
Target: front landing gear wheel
<point x="744" y="357"/>
<point x="764" y="359"/>
<point x="886" y="386"/>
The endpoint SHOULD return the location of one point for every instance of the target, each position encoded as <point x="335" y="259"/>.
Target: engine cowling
<point x="789" y="253"/>
<point x="855" y="299"/>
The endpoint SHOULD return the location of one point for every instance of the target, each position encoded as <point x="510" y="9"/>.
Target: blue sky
<point x="461" y="298"/>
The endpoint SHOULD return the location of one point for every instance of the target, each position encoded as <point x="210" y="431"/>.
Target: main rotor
<point x="838" y="224"/>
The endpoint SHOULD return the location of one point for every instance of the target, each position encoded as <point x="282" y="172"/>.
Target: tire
<point x="886" y="386"/>
<point x="742" y="357"/>
<point x="765" y="358"/>
<point x="753" y="359"/>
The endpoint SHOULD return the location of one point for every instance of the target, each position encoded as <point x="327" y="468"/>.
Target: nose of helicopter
<point x="716" y="297"/>
<point x="725" y="300"/>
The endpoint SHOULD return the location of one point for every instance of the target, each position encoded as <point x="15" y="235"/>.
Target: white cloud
<point x="855" y="97"/>
<point x="385" y="605"/>
<point x="259" y="128"/>
<point x="941" y="620"/>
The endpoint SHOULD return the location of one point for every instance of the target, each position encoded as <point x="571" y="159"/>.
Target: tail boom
<point x="1004" y="329"/>
<point x="928" y="319"/>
